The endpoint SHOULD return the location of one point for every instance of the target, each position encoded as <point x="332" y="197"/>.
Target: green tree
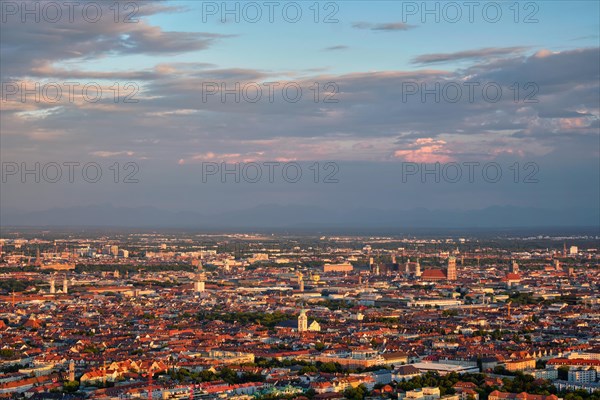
<point x="563" y="372"/>
<point x="71" y="387"/>
<point x="357" y="393"/>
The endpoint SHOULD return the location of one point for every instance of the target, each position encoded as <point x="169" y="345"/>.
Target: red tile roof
<point x="433" y="274"/>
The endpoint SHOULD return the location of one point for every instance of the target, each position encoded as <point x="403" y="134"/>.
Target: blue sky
<point x="283" y="46"/>
<point x="286" y="46"/>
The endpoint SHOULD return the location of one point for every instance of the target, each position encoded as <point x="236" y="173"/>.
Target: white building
<point x="426" y="393"/>
<point x="549" y="374"/>
<point x="302" y="321"/>
<point x="582" y="375"/>
<point x="588" y="355"/>
<point x="444" y="369"/>
<point x="573" y="250"/>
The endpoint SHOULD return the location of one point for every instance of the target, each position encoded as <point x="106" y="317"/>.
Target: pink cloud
<point x="573" y="123"/>
<point x="426" y="150"/>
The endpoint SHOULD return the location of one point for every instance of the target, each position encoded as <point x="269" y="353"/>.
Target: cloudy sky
<point x="386" y="86"/>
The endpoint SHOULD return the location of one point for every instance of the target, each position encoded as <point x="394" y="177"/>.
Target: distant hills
<point x="302" y="217"/>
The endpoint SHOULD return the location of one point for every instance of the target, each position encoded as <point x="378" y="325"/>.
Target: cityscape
<point x="299" y="200"/>
<point x="185" y="315"/>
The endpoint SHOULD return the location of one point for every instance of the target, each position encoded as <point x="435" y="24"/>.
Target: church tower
<point x="302" y="321"/>
<point x="514" y="268"/>
<point x="451" y="271"/>
<point x="71" y="371"/>
<point x="200" y="278"/>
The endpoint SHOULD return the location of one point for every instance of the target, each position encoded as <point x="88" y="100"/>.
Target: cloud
<point x="562" y="114"/>
<point x="172" y="112"/>
<point x="30" y="49"/>
<point x="370" y="121"/>
<point x="110" y="154"/>
<point x="587" y="37"/>
<point x="335" y="48"/>
<point x="485" y="53"/>
<point x="426" y="150"/>
<point x="390" y="26"/>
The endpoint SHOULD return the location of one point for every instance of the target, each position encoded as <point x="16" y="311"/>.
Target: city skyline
<point x="299" y="200"/>
<point x="115" y="314"/>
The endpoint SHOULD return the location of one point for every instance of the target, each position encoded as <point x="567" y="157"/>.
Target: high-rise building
<point x="514" y="268"/>
<point x="38" y="259"/>
<point x="573" y="250"/>
<point x="65" y="285"/>
<point x="302" y="321"/>
<point x="52" y="286"/>
<point x="199" y="283"/>
<point x="451" y="271"/>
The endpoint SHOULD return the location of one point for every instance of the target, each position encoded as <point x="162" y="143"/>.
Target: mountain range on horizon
<point x="302" y="217"/>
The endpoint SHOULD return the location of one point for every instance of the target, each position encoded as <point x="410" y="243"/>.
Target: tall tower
<point x="300" y="277"/>
<point x="199" y="283"/>
<point x="65" y="285"/>
<point x="52" y="286"/>
<point x="71" y="371"/>
<point x="302" y="321"/>
<point x="451" y="272"/>
<point x="514" y="268"/>
<point x="200" y="279"/>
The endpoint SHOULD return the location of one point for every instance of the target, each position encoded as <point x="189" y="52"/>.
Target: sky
<point x="503" y="95"/>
